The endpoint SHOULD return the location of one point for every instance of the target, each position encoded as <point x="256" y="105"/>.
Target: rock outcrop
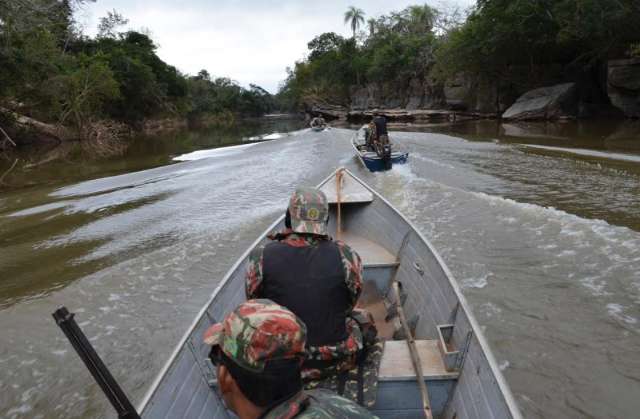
<point x="551" y="102"/>
<point x="417" y="94"/>
<point x="623" y="83"/>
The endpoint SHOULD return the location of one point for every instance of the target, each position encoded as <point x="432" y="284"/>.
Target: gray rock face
<point x="624" y="86"/>
<point x="550" y="102"/>
<point x="457" y="92"/>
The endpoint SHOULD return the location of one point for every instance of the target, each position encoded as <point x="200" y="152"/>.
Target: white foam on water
<point x="489" y="309"/>
<point x="616" y="311"/>
<point x="589" y="153"/>
<point x="274" y="136"/>
<point x="477" y="282"/>
<point x="418" y="156"/>
<point x="214" y="152"/>
<point x="19" y="410"/>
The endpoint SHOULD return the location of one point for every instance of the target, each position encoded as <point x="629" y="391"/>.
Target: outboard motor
<point x="386" y="156"/>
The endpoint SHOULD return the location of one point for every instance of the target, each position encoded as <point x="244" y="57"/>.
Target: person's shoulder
<point x="256" y="252"/>
<point x="346" y="250"/>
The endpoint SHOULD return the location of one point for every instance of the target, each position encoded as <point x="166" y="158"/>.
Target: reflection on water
<point x="41" y="218"/>
<point x="541" y="229"/>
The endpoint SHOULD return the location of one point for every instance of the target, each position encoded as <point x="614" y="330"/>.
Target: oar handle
<point x="413" y="351"/>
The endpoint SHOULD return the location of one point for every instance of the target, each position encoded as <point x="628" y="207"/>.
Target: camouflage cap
<point x="309" y="211"/>
<point x="258" y="331"/>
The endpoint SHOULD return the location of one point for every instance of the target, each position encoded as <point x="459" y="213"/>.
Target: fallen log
<point x="54" y="131"/>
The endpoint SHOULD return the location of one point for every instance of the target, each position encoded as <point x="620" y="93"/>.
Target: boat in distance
<point x="452" y="357"/>
<point x="371" y="159"/>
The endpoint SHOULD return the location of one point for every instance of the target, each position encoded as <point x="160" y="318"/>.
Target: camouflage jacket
<point x="317" y="404"/>
<point x="353" y="279"/>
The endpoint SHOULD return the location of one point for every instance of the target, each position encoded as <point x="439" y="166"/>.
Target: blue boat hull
<point x="376" y="164"/>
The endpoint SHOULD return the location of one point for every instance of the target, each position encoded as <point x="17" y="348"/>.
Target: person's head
<point x="309" y="211"/>
<point x="258" y="350"/>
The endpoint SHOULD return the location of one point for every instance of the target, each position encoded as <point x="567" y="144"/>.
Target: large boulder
<point x="551" y="102"/>
<point x="623" y="85"/>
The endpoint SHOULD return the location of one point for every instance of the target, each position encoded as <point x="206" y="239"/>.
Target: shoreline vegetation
<point x="542" y="60"/>
<point x="525" y="60"/>
<point x="58" y="84"/>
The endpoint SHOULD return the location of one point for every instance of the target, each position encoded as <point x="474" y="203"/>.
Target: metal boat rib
<point x="459" y="369"/>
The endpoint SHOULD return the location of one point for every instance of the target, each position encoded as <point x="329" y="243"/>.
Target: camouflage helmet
<point x="309" y="211"/>
<point x="258" y="331"/>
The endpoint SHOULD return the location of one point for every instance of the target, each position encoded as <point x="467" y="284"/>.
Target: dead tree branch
<point x="7" y="172"/>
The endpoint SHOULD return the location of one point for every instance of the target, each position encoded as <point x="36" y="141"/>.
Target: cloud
<point x="249" y="41"/>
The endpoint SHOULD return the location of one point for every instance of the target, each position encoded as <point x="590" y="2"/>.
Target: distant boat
<point x="461" y="375"/>
<point x="371" y="159"/>
<point x="318" y="124"/>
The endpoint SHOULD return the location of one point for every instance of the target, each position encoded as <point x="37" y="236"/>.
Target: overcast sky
<point x="249" y="41"/>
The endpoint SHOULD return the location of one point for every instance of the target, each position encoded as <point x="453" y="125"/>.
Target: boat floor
<point x="374" y="303"/>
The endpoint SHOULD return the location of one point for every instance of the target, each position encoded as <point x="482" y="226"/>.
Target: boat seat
<point x="398" y="391"/>
<point x="396" y="362"/>
<point x="372" y="253"/>
<point x="378" y="263"/>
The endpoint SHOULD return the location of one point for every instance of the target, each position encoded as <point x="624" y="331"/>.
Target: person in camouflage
<point x="317" y="278"/>
<point x="258" y="350"/>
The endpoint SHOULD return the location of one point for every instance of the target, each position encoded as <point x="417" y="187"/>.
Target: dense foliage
<point x="496" y="37"/>
<point x="499" y="34"/>
<point x="396" y="48"/>
<point x="51" y="71"/>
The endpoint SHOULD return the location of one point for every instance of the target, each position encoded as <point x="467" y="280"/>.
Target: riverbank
<point x="55" y="163"/>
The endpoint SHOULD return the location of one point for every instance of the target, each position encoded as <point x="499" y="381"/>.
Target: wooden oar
<point x="415" y="357"/>
<point x="413" y="351"/>
<point x="338" y="200"/>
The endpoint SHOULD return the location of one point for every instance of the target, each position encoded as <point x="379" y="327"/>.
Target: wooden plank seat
<point x="396" y="362"/>
<point x="372" y="253"/>
<point x="398" y="392"/>
<point x="378" y="263"/>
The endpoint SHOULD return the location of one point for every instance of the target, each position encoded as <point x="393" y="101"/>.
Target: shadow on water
<point x="46" y="216"/>
<point x="52" y="164"/>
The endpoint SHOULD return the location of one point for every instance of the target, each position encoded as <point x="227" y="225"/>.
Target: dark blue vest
<point x="309" y="281"/>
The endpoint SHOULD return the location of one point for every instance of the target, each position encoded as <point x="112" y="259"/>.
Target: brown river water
<point x="539" y="223"/>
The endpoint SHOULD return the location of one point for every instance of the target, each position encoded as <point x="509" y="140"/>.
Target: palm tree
<point x="372" y="26"/>
<point x="355" y="18"/>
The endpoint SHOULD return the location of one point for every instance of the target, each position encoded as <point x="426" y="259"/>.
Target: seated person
<point x="317" y="278"/>
<point x="258" y="351"/>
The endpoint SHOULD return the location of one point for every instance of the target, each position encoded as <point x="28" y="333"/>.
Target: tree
<point x="371" y="23"/>
<point x="109" y="23"/>
<point x="83" y="92"/>
<point x="322" y="44"/>
<point x="354" y="17"/>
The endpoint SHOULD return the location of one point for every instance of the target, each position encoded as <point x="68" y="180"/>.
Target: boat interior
<point x="397" y="385"/>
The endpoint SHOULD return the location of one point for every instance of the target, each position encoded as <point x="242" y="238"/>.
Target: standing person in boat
<point x="382" y="135"/>
<point x="317" y="278"/>
<point x="258" y="350"/>
<point x="370" y="135"/>
<point x="383" y="148"/>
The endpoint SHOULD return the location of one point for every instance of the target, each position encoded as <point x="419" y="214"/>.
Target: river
<point x="539" y="223"/>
